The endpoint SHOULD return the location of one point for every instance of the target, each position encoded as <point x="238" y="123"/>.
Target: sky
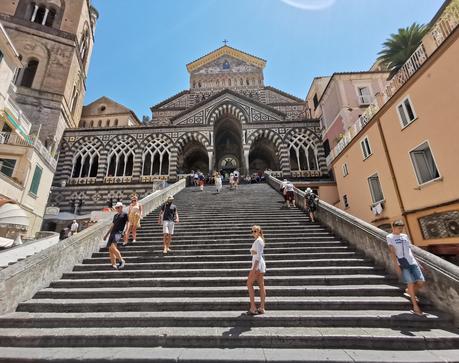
<point x="142" y="46"/>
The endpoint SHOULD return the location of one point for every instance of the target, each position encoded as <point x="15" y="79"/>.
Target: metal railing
<point x="19" y="116"/>
<point x="358" y="125"/>
<point x="12" y="138"/>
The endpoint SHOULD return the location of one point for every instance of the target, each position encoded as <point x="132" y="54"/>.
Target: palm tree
<point x="399" y="47"/>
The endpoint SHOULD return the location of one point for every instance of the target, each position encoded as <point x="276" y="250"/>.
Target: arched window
<point x="91" y="123"/>
<point x="83" y="123"/>
<point x="303" y="153"/>
<point x="85" y="162"/>
<point x="116" y="122"/>
<point x="27" y="74"/>
<point x="155" y="158"/>
<point x="121" y="159"/>
<point x="108" y="123"/>
<point x="50" y="18"/>
<point x="42" y="15"/>
<point x="241" y="82"/>
<point x="74" y="98"/>
<point x="99" y="123"/>
<point x="229" y="82"/>
<point x="247" y="82"/>
<point x="84" y="45"/>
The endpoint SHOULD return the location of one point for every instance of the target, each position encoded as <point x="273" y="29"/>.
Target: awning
<point x="13" y="215"/>
<point x="10" y="120"/>
<point x="65" y="216"/>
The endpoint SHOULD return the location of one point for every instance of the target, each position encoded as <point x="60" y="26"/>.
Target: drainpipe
<point x="392" y="174"/>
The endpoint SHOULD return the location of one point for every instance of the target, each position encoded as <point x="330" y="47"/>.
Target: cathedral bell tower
<point x="55" y="40"/>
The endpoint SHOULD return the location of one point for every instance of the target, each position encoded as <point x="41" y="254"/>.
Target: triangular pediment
<point x="250" y="110"/>
<point x="104" y="106"/>
<point x="230" y="54"/>
<point x="226" y="64"/>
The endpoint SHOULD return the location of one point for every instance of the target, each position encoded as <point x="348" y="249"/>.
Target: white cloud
<point x="310" y="4"/>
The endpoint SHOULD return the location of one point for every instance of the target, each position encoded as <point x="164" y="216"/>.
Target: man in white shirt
<point x="73" y="228"/>
<point x="405" y="264"/>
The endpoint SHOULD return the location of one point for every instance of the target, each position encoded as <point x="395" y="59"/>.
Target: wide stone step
<point x="132" y="272"/>
<point x="233" y="337"/>
<point x="241" y="228"/>
<point x="156" y="250"/>
<point x="130" y="256"/>
<point x="227" y="264"/>
<point x="121" y="280"/>
<point x="236" y="291"/>
<point x="395" y="319"/>
<point x="212" y="304"/>
<point x="217" y="355"/>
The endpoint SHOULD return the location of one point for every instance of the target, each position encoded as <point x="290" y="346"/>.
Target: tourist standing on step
<point x="114" y="236"/>
<point x="201" y="181"/>
<point x="73" y="228"/>
<point x="218" y="181"/>
<point x="257" y="272"/>
<point x="290" y="195"/>
<point x="405" y="264"/>
<point x="283" y="190"/>
<point x="310" y="203"/>
<point x="236" y="178"/>
<point x="168" y="216"/>
<point x="231" y="180"/>
<point x="135" y="213"/>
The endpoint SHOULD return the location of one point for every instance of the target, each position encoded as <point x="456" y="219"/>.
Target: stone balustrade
<point x="442" y="285"/>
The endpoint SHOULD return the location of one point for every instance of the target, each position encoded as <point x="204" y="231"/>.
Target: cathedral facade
<point x="227" y="119"/>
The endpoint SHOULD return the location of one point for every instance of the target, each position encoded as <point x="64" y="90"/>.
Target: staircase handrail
<point x="442" y="277"/>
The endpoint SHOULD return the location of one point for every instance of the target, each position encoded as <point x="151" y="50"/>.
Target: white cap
<point x="308" y="190"/>
<point x="119" y="204"/>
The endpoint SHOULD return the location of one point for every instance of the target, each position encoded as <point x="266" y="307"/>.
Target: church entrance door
<point x="228" y="145"/>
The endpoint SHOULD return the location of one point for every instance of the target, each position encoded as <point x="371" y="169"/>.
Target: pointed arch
<point x="227" y="109"/>
<point x="156" y="155"/>
<point x="189" y="137"/>
<point x="85" y="162"/>
<point x="121" y="152"/>
<point x="305" y="150"/>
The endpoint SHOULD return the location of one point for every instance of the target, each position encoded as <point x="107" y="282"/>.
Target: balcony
<point x="446" y="23"/>
<point x="16" y="116"/>
<point x="352" y="132"/>
<point x="12" y="138"/>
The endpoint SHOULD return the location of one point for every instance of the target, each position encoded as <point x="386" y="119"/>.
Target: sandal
<point x="260" y="311"/>
<point x="252" y="313"/>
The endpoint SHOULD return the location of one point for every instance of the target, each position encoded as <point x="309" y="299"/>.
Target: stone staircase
<point x="325" y="301"/>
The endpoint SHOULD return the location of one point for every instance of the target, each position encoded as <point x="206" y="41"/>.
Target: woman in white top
<point x="257" y="271"/>
<point x="218" y="181"/>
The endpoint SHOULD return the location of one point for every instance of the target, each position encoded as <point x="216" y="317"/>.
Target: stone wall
<point x="442" y="285"/>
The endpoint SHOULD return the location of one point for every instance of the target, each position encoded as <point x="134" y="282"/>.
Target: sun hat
<point x="170" y="197"/>
<point x="398" y="223"/>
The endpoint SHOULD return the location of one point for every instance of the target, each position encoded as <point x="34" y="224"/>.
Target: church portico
<point x="239" y="125"/>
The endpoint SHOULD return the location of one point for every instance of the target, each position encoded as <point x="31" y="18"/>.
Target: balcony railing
<point x="12" y="138"/>
<point x="445" y="25"/>
<point x="15" y="111"/>
<point x="358" y="125"/>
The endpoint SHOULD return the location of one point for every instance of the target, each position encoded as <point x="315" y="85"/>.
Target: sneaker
<point x="134" y="241"/>
<point x="115" y="267"/>
<point x="165" y="251"/>
<point x="169" y="250"/>
<point x="121" y="264"/>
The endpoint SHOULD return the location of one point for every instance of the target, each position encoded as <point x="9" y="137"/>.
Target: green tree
<point x="400" y="46"/>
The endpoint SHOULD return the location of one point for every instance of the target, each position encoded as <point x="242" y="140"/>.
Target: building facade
<point x="228" y="119"/>
<point x="26" y="166"/>
<point x="55" y="40"/>
<point x="402" y="162"/>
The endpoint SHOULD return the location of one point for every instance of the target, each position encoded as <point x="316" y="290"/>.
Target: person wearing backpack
<point x="310" y="203"/>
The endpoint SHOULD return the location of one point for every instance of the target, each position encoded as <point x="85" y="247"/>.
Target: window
<point x="108" y="123"/>
<point x="74" y="99"/>
<point x="406" y="112"/>
<point x="42" y="15"/>
<point x="121" y="158"/>
<point x="345" y="169"/>
<point x="1" y="56"/>
<point x="424" y="163"/>
<point x="85" y="162"/>
<point x="375" y="189"/>
<point x="116" y="122"/>
<point x="91" y="124"/>
<point x="155" y="158"/>
<point x="315" y="99"/>
<point x="364" y="95"/>
<point x="345" y="201"/>
<point x="84" y="44"/>
<point x="7" y="166"/>
<point x="99" y="123"/>
<point x="28" y="74"/>
<point x="35" y="180"/>
<point x="366" y="149"/>
<point x="83" y="124"/>
<point x="303" y="153"/>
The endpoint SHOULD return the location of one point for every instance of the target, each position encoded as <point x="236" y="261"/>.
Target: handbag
<point x="403" y="262"/>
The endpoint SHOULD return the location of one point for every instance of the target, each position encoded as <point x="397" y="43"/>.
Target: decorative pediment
<point x="231" y="53"/>
<point x="229" y="103"/>
<point x="226" y="65"/>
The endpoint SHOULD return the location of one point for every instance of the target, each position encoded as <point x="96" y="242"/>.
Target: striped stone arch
<point x="305" y="147"/>
<point x="191" y="136"/>
<point x="227" y="109"/>
<point x="276" y="139"/>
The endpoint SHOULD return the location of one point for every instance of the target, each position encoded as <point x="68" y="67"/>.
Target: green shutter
<point x="36" y="180"/>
